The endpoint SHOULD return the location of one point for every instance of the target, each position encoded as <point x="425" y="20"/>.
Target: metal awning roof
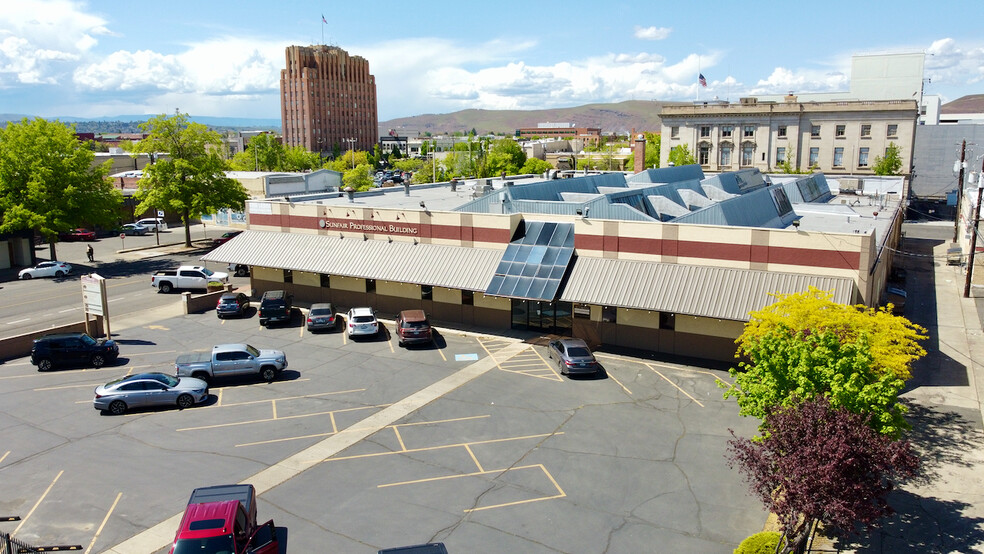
<point x="718" y="292"/>
<point x="405" y="262"/>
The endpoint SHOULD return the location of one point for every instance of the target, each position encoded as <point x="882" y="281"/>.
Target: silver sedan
<point x="149" y="389"/>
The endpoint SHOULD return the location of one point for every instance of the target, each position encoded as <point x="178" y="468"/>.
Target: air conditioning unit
<point x="851" y="185"/>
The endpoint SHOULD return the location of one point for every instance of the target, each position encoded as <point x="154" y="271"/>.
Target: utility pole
<point x="973" y="237"/>
<point x="960" y="183"/>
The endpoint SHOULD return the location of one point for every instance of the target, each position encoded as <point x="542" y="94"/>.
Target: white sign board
<point x="93" y="293"/>
<point x="160" y="213"/>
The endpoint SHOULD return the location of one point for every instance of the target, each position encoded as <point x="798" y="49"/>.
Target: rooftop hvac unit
<point x="851" y="186"/>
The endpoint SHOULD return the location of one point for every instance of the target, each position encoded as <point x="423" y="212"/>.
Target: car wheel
<point x="240" y="271"/>
<point x="268" y="374"/>
<point x="117" y="407"/>
<point x="560" y="366"/>
<point x="59" y="273"/>
<point x="44" y="364"/>
<point x="165" y="288"/>
<point x="201" y="375"/>
<point x="185" y="401"/>
<point x="98" y="361"/>
<point x="26" y="276"/>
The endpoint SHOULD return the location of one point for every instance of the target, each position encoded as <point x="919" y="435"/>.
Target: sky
<point x="68" y="58"/>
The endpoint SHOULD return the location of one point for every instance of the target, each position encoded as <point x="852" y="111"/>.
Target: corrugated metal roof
<point x="722" y="293"/>
<point x="404" y="262"/>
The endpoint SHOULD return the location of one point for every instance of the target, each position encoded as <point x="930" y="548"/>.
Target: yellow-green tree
<point x="805" y="346"/>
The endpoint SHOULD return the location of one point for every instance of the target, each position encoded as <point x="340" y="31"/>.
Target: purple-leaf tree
<point x="817" y="463"/>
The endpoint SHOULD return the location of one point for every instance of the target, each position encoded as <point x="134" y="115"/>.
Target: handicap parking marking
<point x="466" y="357"/>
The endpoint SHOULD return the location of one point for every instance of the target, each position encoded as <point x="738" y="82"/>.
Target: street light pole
<point x="351" y="142"/>
<point x="973" y="236"/>
<point x="960" y="184"/>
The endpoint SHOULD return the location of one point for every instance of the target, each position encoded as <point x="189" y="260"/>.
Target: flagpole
<point x="322" y="29"/>
<point x="698" y="78"/>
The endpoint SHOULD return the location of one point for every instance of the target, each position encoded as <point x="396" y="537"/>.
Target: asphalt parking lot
<point x="361" y="445"/>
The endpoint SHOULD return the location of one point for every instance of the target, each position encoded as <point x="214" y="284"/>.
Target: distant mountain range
<point x="621" y="118"/>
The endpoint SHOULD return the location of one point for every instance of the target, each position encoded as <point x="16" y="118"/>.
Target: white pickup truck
<point x="186" y="277"/>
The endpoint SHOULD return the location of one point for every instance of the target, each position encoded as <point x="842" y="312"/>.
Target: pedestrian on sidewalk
<point x="88" y="252"/>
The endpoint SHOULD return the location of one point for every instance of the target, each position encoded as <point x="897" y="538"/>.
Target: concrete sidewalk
<point x="943" y="509"/>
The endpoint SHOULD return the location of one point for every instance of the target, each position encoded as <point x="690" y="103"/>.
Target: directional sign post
<point x="94" y="300"/>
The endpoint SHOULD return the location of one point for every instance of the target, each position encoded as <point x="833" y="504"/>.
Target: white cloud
<point x="652" y="33"/>
<point x="42" y="39"/>
<point x="949" y="64"/>
<point x="783" y="80"/>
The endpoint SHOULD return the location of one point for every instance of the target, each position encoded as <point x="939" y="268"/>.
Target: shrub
<point x="759" y="543"/>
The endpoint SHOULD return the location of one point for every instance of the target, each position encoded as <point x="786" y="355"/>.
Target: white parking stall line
<point x="18" y="321"/>
<point x="69" y="310"/>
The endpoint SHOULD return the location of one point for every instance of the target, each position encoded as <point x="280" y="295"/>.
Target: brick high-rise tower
<point x="326" y="98"/>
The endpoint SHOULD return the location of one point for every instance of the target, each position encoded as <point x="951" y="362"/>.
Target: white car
<point x="46" y="269"/>
<point x="153" y="224"/>
<point x="361" y="322"/>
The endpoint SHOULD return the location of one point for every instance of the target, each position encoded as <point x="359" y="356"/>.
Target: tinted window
<point x="363" y="319"/>
<point x="578" y="352"/>
<point x="206" y="524"/>
<point x="321" y="311"/>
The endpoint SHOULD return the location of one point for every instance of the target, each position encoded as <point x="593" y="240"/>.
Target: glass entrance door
<point x="548" y="317"/>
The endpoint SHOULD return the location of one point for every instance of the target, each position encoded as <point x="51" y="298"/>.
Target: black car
<point x="275" y="305"/>
<point x="232" y="303"/>
<point x="72" y="349"/>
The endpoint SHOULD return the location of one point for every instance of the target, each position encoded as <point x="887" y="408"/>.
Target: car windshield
<point x="210" y="544"/>
<point x="87" y="340"/>
<point x="207" y="271"/>
<point x="578" y="352"/>
<point x="252" y="351"/>
<point x="363" y="319"/>
<point x="164" y="379"/>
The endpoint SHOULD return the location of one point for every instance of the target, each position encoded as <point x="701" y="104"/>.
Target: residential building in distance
<point x="561" y="131"/>
<point x="327" y="100"/>
<point x="836" y="137"/>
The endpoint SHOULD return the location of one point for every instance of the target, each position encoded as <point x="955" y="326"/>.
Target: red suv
<point x="412" y="327"/>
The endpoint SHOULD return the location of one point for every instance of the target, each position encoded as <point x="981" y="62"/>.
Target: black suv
<point x="75" y="349"/>
<point x="275" y="305"/>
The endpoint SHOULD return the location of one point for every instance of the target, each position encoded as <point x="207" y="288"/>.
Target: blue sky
<point x="218" y="58"/>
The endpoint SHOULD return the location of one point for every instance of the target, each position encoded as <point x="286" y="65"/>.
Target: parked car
<point x="135" y="229"/>
<point x="72" y="349"/>
<point x="45" y="269"/>
<point x="573" y="356"/>
<point x="231" y="360"/>
<point x="186" y="277"/>
<point x="222" y="519"/>
<point x="275" y="306"/>
<point x="149" y="389"/>
<point x="226" y="237"/>
<point x="153" y="224"/>
<point x="241" y="270"/>
<point x="232" y="303"/>
<point x="361" y="322"/>
<point x="77" y="234"/>
<point x="412" y="327"/>
<point x="322" y="316"/>
<point x="429" y="548"/>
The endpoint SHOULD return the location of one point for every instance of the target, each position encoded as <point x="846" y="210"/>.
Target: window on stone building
<point x="838" y="157"/>
<point x="814" y="156"/>
<point x="725" y="154"/>
<point x="705" y="131"/>
<point x="893" y="130"/>
<point x="748" y="131"/>
<point x="781" y="131"/>
<point x="840" y="130"/>
<point x="863" y="157"/>
<point x="814" y="131"/>
<point x="780" y="155"/>
<point x="866" y="130"/>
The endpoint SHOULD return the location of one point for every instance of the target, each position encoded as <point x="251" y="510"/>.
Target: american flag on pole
<point x="323" y="20"/>
<point x="703" y="81"/>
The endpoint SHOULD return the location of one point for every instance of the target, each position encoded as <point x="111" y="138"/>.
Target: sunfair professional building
<point x="668" y="260"/>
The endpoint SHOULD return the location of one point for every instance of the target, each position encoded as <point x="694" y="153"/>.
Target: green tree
<point x="191" y="179"/>
<point x="358" y="178"/>
<point x="48" y="182"/>
<point x="806" y="346"/>
<point x="890" y="164"/>
<point x="680" y="155"/>
<point x="535" y="166"/>
<point x="298" y="158"/>
<point x="409" y="164"/>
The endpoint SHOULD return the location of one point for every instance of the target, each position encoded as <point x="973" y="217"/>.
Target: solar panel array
<point x="533" y="266"/>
